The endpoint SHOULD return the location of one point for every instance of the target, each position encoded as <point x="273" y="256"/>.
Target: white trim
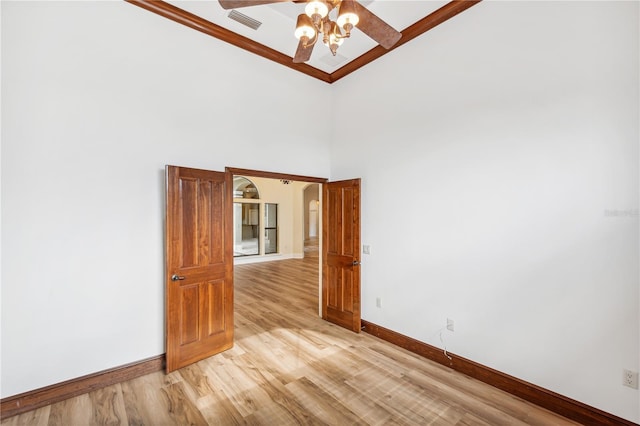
<point x="244" y="260"/>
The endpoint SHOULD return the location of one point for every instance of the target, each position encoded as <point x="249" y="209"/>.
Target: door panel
<point x="199" y="274"/>
<point x="341" y="254"/>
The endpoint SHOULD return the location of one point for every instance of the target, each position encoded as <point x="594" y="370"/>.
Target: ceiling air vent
<point x="334" y="61"/>
<point x="244" y="19"/>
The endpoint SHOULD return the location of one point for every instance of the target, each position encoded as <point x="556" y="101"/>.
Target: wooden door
<point x="341" y="253"/>
<point x="199" y="260"/>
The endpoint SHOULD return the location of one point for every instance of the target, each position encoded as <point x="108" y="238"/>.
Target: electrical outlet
<point x="450" y="324"/>
<point x="630" y="378"/>
<point x="378" y="302"/>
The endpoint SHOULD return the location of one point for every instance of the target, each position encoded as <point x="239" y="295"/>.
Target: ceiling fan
<point x="316" y="21"/>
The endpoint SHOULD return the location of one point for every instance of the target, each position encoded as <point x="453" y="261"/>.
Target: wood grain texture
<point x="42" y="397"/>
<point x="341" y="253"/>
<point x="380" y="31"/>
<point x="272" y="175"/>
<point x="199" y="229"/>
<point x="289" y="367"/>
<point x="555" y="402"/>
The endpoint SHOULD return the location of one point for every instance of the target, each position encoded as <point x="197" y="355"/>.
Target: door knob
<point x="175" y="277"/>
<point x="356" y="263"/>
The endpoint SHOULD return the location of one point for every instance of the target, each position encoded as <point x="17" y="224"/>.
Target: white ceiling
<point x="279" y="21"/>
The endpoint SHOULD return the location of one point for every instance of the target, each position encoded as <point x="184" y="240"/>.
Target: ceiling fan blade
<point x="303" y="54"/>
<point x="384" y="34"/>
<point x="237" y="4"/>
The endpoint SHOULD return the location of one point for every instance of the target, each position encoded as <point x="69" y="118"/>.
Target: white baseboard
<point x="266" y="258"/>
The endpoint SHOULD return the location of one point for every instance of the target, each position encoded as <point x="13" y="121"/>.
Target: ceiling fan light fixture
<point x="316" y="9"/>
<point x="347" y="16"/>
<point x="305" y="28"/>
<point x="319" y="21"/>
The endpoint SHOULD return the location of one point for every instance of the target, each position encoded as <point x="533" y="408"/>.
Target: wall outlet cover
<point x="450" y="324"/>
<point x="630" y="378"/>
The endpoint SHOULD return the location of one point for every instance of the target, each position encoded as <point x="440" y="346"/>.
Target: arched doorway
<point x="246" y="218"/>
<point x="313" y="219"/>
<point x="311" y="205"/>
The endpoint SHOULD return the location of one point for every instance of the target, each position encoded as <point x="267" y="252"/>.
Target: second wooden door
<point x="341" y="253"/>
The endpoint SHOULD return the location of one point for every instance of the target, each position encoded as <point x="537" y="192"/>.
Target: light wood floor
<point x="290" y="367"/>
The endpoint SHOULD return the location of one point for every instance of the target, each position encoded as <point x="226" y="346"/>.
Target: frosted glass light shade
<point x="347" y="14"/>
<point x="333" y="39"/>
<point x="304" y="27"/>
<point x="316" y="7"/>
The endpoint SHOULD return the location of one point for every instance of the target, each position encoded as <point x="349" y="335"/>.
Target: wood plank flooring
<point x="289" y="367"/>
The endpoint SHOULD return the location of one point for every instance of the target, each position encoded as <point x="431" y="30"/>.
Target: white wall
<point x="500" y="138"/>
<point x="97" y="98"/>
<point x="497" y="147"/>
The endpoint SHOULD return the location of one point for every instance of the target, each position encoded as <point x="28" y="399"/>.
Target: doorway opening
<point x="289" y="216"/>
<point x="199" y="274"/>
<point x="247" y="239"/>
<point x="312" y="218"/>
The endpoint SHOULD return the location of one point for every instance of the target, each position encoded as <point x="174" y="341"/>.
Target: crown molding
<point x="197" y="23"/>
